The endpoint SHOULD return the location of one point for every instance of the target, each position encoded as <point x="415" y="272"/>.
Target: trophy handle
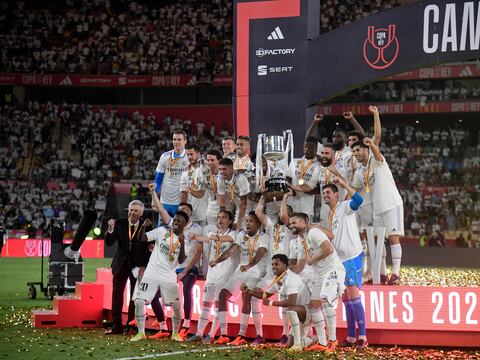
<point x="258" y="163"/>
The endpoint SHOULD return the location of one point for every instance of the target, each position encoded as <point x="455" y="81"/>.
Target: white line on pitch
<point x="180" y="352"/>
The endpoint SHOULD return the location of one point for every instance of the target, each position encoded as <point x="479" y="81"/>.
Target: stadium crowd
<point x="437" y="170"/>
<point x="418" y="91"/>
<point x="139" y="37"/>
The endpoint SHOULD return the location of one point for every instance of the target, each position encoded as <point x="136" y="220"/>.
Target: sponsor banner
<point x="33" y="248"/>
<point x="386" y="307"/>
<point x="394" y="41"/>
<point x="439" y="72"/>
<point x="403" y="108"/>
<point x="105" y="80"/>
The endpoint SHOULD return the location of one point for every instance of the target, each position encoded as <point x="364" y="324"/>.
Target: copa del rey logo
<point x="380" y="49"/>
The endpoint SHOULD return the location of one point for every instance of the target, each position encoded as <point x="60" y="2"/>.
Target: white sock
<point x="307" y="341"/>
<point x="295" y="324"/>
<point x="383" y="264"/>
<point x="243" y="324"/>
<point x="203" y="320"/>
<point x="319" y="324"/>
<point x="257" y="316"/>
<point x="164" y="326"/>
<point x="140" y="315"/>
<point x="176" y="317"/>
<point x="222" y="317"/>
<point x="396" y="258"/>
<point x="215" y="324"/>
<point x="186" y="323"/>
<point x="284" y="321"/>
<point x="331" y="320"/>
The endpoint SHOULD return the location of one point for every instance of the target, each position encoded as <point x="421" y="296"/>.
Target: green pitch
<point x="19" y="340"/>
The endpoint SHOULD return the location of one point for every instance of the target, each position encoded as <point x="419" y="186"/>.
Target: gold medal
<point x="301" y="182"/>
<point x="171" y="258"/>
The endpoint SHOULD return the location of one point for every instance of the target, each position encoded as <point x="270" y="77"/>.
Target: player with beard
<point x="232" y="190"/>
<point x="328" y="282"/>
<point x="293" y="296"/>
<point x="302" y="177"/>
<point x="160" y="274"/>
<point x="220" y="237"/>
<point x="279" y="235"/>
<point x="192" y="186"/>
<point x="242" y="162"/>
<point x="211" y="185"/>
<point x="328" y="171"/>
<point x="387" y="205"/>
<point x="343" y="224"/>
<point x="253" y="247"/>
<point x="364" y="214"/>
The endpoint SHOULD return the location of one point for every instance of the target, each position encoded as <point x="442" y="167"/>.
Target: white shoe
<point x="69" y="253"/>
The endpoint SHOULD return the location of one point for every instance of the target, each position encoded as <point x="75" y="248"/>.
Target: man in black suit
<point x="131" y="254"/>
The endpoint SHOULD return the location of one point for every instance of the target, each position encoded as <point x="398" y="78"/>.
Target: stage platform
<point x="395" y="315"/>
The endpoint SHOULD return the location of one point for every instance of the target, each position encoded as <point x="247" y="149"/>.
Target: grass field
<point x="19" y="340"/>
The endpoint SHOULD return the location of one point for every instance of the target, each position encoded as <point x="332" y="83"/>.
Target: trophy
<point x="274" y="148"/>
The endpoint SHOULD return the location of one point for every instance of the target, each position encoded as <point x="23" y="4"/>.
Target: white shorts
<point x="365" y="214"/>
<point x="211" y="291"/>
<point x="329" y="286"/>
<point x="266" y="281"/>
<point x="392" y="220"/>
<point x="249" y="278"/>
<point x="148" y="287"/>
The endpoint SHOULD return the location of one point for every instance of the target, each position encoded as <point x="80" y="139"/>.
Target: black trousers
<point x="119" y="283"/>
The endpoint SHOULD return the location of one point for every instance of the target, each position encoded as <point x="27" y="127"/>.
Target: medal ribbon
<point x="305" y="247"/>
<point x="277" y="237"/>
<point x="331" y="214"/>
<point x="304" y="169"/>
<point x="171" y="162"/>
<point x="366" y="177"/>
<point x="277" y="279"/>
<point x="173" y="247"/>
<point x="242" y="165"/>
<point x="251" y="247"/>
<point x="130" y="235"/>
<point x="326" y="176"/>
<point x="232" y="188"/>
<point x="213" y="182"/>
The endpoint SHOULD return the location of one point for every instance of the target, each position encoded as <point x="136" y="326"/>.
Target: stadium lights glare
<point x="89" y="238"/>
<point x="24" y="237"/>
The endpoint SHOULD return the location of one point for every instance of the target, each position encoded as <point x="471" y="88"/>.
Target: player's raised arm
<point x="377" y="125"/>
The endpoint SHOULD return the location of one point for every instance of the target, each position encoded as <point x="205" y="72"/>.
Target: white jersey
<point x="213" y="207"/>
<point x="172" y="168"/>
<point x="249" y="246"/>
<point x="297" y="252"/>
<point x="243" y="164"/>
<point x="190" y="245"/>
<point x="315" y="238"/>
<point x="164" y="258"/>
<point x="290" y="284"/>
<point x="233" y="189"/>
<point x="325" y="176"/>
<point x="222" y="271"/>
<point x="345" y="230"/>
<point x="303" y="202"/>
<point x="384" y="192"/>
<point x="279" y="236"/>
<point x="340" y="156"/>
<point x="194" y="178"/>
